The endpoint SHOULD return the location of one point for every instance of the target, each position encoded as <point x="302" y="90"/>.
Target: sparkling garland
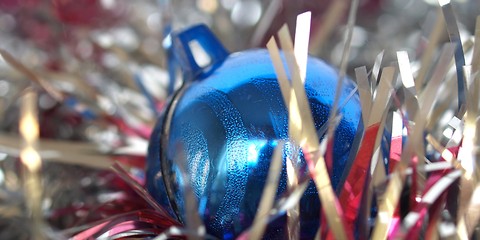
<point x="91" y="78"/>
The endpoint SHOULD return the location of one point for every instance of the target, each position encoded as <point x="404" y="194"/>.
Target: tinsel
<point x="99" y="74"/>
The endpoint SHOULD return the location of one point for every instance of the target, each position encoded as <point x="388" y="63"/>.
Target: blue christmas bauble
<point x="221" y="128"/>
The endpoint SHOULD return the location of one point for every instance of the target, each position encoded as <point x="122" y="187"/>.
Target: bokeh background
<point x="108" y="58"/>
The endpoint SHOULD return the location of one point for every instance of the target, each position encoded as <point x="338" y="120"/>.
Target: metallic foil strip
<point x="68" y="152"/>
<point x="467" y="216"/>
<point x="140" y="233"/>
<point x="193" y="221"/>
<point x="467" y="189"/>
<point x="375" y="72"/>
<point x="265" y="22"/>
<point x="445" y="153"/>
<point x="279" y="70"/>
<point x="127" y="228"/>
<point x="445" y="94"/>
<point x="436" y="187"/>
<point x="383" y="92"/>
<point x="175" y="232"/>
<point x="170" y="232"/>
<point x="428" y="96"/>
<point x="126" y="222"/>
<point x="293" y="214"/>
<point x="467" y="152"/>
<point x="142" y="192"/>
<point x="454" y="35"/>
<point x="473" y="213"/>
<point x="285" y="203"/>
<point x="456" y="126"/>
<point x="473" y="217"/>
<point x="388" y="203"/>
<point x="411" y="103"/>
<point x="294" y="133"/>
<point x="364" y="90"/>
<point x="295" y="123"/>
<point x="151" y="100"/>
<point x="291" y="199"/>
<point x="406" y="72"/>
<point x="33" y="189"/>
<point x="359" y="175"/>
<point x="425" y="62"/>
<point x="302" y="116"/>
<point x="390" y="199"/>
<point x="476" y="48"/>
<point x="352" y="15"/>
<point x="302" y="37"/>
<point x="377" y="164"/>
<point x="353" y="189"/>
<point x="331" y="207"/>
<point x="268" y="196"/>
<point x="331" y="21"/>
<point x="396" y="141"/>
<point x="58" y="96"/>
<point x="290" y="99"/>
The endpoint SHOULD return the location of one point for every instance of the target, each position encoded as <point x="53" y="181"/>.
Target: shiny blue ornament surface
<point x="221" y="130"/>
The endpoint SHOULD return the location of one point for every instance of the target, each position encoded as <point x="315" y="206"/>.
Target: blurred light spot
<point x="2" y="176"/>
<point x="4" y="88"/>
<point x="86" y="181"/>
<point x="465" y="34"/>
<point x="254" y="149"/>
<point x="447" y="155"/>
<point x="359" y="37"/>
<point x="448" y="133"/>
<point x="105" y="40"/>
<point x="476" y="196"/>
<point x="110" y="60"/>
<point x="108" y="197"/>
<point x="167" y="42"/>
<point x="46" y="204"/>
<point x="201" y="57"/>
<point x="228" y="4"/>
<point x="46" y="102"/>
<point x="443" y="2"/>
<point x="246" y="13"/>
<point x="84" y="49"/>
<point x="208" y="6"/>
<point x="107" y="105"/>
<point x="108" y="4"/>
<point x="66" y="86"/>
<point x="3" y="156"/>
<point x="431" y="2"/>
<point x="446" y="117"/>
<point x="154" y="21"/>
<point x="126" y="38"/>
<point x="137" y="173"/>
<point x="157" y="80"/>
